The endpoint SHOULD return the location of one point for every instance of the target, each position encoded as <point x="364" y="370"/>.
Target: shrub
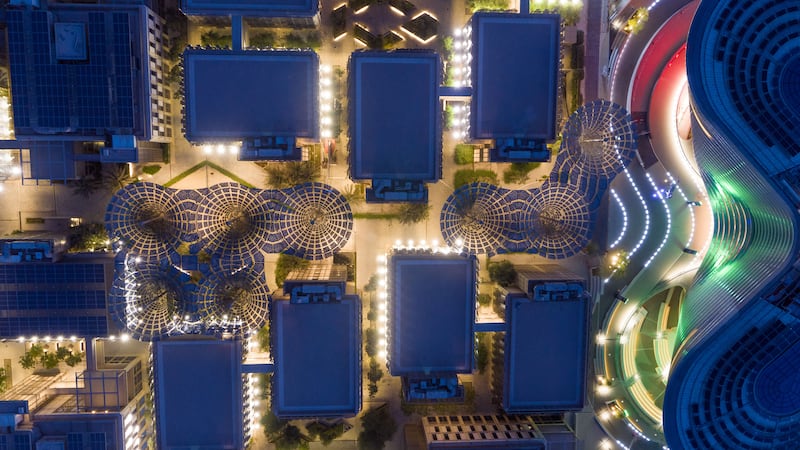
<point x="484" y="299"/>
<point x="503" y="273"/>
<point x="518" y="172"/>
<point x="152" y="169"/>
<point x="466" y="176"/>
<point x="87" y="238"/>
<point x="371" y="342"/>
<point x="375" y="373"/>
<point x="413" y="212"/>
<point x="214" y="38"/>
<point x="265" y="39"/>
<point x="377" y="427"/>
<point x="464" y="154"/>
<point x="482" y="355"/>
<point x="287" y="263"/>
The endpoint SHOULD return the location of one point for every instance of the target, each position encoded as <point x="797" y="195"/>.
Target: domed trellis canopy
<point x="315" y="221"/>
<point x="146" y="217"/>
<point x="233" y="220"/>
<point x="148" y="301"/>
<point x="235" y="296"/>
<point x="560" y="223"/>
<point x="477" y="215"/>
<point x="600" y="139"/>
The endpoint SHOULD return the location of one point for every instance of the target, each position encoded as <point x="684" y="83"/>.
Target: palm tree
<point x="290" y="438"/>
<point x="116" y="177"/>
<point x="86" y="186"/>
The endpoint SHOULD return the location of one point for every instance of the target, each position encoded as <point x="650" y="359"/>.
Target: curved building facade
<point x="735" y="380"/>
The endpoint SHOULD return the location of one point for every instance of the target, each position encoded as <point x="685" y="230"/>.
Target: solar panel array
<point x="41" y="299"/>
<point x="80" y="98"/>
<point x="194" y="260"/>
<point x="556" y="220"/>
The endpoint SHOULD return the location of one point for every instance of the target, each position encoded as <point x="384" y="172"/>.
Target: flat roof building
<point x="86" y="72"/>
<point x="498" y="432"/>
<point x="395" y="117"/>
<point x="431" y="312"/>
<point x="299" y="10"/>
<point x="545" y="354"/>
<point x="267" y="97"/>
<point x="515" y="77"/>
<point x="317" y="349"/>
<point x="50" y="299"/>
<point x="199" y="394"/>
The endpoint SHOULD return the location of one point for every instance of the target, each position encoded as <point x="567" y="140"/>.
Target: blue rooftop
<point x="545" y="363"/>
<point x="240" y="94"/>
<point x="317" y="349"/>
<point x="39" y="299"/>
<point x="253" y="8"/>
<point x="432" y="310"/>
<point x="395" y="117"/>
<point x="198" y="394"/>
<point x="83" y="93"/>
<point x="515" y="75"/>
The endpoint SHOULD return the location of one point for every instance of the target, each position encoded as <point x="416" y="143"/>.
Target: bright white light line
<point x="624" y="219"/>
<point x="646" y="215"/>
<point x="669" y="220"/>
<point x="691" y="210"/>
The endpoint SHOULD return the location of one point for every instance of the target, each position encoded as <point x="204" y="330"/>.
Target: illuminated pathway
<point x="637" y="335"/>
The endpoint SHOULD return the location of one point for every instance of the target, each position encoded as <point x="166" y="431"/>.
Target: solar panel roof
<point x="239" y="94"/>
<point x="79" y="98"/>
<point x="53" y="299"/>
<point x="317" y="358"/>
<point x="394" y="115"/>
<point x="432" y="310"/>
<point x="515" y="75"/>
<point x="545" y="362"/>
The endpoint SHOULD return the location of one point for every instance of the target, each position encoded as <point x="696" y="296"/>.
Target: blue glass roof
<point x="256" y="8"/>
<point x="395" y="116"/>
<point x="317" y="358"/>
<point x="515" y="73"/>
<point x="53" y="299"/>
<point x="250" y="94"/>
<point x="432" y="310"/>
<point x="545" y="364"/>
<point x="199" y="394"/>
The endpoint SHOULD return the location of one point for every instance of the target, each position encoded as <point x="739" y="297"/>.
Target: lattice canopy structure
<point x="235" y="296"/>
<point x="147" y="300"/>
<point x="147" y="218"/>
<point x="478" y="215"/>
<point x="560" y="225"/>
<point x="315" y="221"/>
<point x="233" y="219"/>
<point x="599" y="138"/>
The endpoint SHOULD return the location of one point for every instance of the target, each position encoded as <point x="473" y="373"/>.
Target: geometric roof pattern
<point x="154" y="299"/>
<point x="228" y="220"/>
<point x="555" y="220"/>
<point x="241" y="294"/>
<point x="599" y="138"/>
<point x="477" y="213"/>
<point x="561" y="223"/>
<point x="194" y="260"/>
<point x="315" y="220"/>
<point x="147" y="218"/>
